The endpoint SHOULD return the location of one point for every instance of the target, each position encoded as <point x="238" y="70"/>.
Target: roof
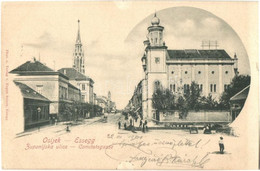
<point x="35" y="66"/>
<point x="29" y="93"/>
<point x="198" y="54"/>
<point x="72" y="86"/>
<point x="73" y="74"/>
<point x="242" y="95"/>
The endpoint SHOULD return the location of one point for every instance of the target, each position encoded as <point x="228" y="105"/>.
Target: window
<point x="186" y="88"/>
<point x="39" y="88"/>
<point x="226" y="86"/>
<point x="186" y="72"/>
<point x="172" y="88"/>
<point x="201" y="87"/>
<point x="83" y="87"/>
<point x="212" y="72"/>
<point x="83" y="97"/>
<point x="213" y="88"/>
<point x="172" y="72"/>
<point x="226" y="72"/>
<point x="157" y="85"/>
<point x="199" y="72"/>
<point x="157" y="60"/>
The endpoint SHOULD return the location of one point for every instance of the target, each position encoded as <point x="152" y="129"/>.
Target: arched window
<point x="157" y="85"/>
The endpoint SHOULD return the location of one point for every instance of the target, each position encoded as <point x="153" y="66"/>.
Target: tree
<point x="163" y="99"/>
<point x="183" y="107"/>
<point x="192" y="96"/>
<point x="238" y="83"/>
<point x="208" y="103"/>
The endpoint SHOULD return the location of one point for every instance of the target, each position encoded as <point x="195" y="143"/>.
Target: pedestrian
<point x="141" y="123"/>
<point x="125" y="125"/>
<point x="68" y="128"/>
<point x="143" y="128"/>
<point x="221" y="145"/>
<point x="119" y="125"/>
<point x="131" y="121"/>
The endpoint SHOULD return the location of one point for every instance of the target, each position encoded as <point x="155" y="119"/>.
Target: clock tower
<point x="154" y="64"/>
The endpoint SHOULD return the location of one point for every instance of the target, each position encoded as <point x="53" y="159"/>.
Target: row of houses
<point x="49" y="95"/>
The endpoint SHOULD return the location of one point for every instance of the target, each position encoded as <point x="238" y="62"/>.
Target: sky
<point x="112" y="34"/>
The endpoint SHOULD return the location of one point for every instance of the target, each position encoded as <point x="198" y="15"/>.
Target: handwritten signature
<point x="165" y="155"/>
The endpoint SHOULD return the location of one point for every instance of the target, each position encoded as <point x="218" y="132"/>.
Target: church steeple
<point x="78" y="41"/>
<point x="78" y="54"/>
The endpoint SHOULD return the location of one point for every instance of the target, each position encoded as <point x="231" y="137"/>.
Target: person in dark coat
<point x="141" y="123"/>
<point x="125" y="125"/>
<point x="131" y="121"/>
<point x="119" y="125"/>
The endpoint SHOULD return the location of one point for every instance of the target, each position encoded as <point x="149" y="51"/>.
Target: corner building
<point x="213" y="70"/>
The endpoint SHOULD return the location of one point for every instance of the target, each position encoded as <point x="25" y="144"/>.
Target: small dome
<point x="155" y="20"/>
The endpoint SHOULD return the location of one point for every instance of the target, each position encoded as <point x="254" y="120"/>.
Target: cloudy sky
<point x="112" y="34"/>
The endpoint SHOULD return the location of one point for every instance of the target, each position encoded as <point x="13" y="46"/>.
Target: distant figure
<point x="141" y="123"/>
<point x="131" y="121"/>
<point x="221" y="145"/>
<point x="68" y="128"/>
<point x="119" y="125"/>
<point x="125" y="125"/>
<point x="143" y="128"/>
<point x="56" y="121"/>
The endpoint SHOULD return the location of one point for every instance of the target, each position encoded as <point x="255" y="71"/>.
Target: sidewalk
<point x="59" y="127"/>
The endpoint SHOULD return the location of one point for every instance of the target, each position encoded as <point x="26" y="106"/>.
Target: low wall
<point x="197" y="116"/>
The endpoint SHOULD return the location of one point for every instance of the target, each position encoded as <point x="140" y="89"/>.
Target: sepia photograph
<point x="130" y="85"/>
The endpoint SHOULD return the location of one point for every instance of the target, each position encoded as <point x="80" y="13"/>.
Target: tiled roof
<point x="34" y="66"/>
<point x="73" y="74"/>
<point x="198" y="54"/>
<point x="242" y="95"/>
<point x="29" y="93"/>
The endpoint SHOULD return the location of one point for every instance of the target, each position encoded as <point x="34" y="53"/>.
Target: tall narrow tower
<point x="78" y="54"/>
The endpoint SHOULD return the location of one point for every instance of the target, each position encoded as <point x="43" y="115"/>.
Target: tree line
<point x="192" y="99"/>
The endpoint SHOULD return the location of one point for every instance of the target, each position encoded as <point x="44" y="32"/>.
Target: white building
<point x="213" y="70"/>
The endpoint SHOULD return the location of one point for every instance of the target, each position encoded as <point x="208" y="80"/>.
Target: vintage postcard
<point x="130" y="85"/>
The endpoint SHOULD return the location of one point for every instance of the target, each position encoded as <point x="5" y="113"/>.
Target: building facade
<point x="211" y="69"/>
<point x="33" y="109"/>
<point x="49" y="83"/>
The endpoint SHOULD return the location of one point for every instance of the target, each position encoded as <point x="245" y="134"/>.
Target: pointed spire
<point x="78" y="41"/>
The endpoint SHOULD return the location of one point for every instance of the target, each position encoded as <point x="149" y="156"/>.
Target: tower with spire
<point x="79" y="59"/>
